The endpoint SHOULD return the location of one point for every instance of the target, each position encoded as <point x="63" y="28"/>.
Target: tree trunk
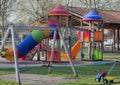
<point x="2" y="27"/>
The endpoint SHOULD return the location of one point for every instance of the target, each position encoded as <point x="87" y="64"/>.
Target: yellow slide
<point x="75" y="49"/>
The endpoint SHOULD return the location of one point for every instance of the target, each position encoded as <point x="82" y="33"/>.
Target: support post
<point x="69" y="34"/>
<point x="38" y="53"/>
<point x="117" y="39"/>
<point x="4" y="40"/>
<point x="113" y="38"/>
<point x="68" y="54"/>
<point x="92" y="40"/>
<point x="102" y="43"/>
<point x="15" y="56"/>
<point x="52" y="52"/>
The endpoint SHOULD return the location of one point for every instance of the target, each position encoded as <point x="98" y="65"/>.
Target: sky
<point x="12" y="17"/>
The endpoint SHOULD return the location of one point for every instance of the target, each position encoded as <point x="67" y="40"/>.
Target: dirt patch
<point x="35" y="79"/>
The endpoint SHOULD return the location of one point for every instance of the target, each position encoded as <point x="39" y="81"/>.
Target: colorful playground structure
<point x="34" y="41"/>
<point x="27" y="48"/>
<point x="53" y="42"/>
<point x="31" y="41"/>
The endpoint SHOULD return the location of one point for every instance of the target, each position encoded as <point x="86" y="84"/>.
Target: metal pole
<point x="4" y="40"/>
<point x="111" y="68"/>
<point x="52" y="52"/>
<point x="68" y="54"/>
<point x="15" y="56"/>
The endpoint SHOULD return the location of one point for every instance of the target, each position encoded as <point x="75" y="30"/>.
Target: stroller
<point x="105" y="74"/>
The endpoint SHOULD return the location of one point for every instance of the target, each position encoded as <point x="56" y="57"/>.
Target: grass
<point x="7" y="71"/>
<point x="2" y="82"/>
<point x="86" y="73"/>
<point x="111" y="56"/>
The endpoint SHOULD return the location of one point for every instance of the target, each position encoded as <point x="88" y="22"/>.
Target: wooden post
<point x="69" y="34"/>
<point x="92" y="40"/>
<point x="38" y="52"/>
<point x="81" y="40"/>
<point x="89" y="47"/>
<point x="117" y="39"/>
<point x="113" y="38"/>
<point x="102" y="43"/>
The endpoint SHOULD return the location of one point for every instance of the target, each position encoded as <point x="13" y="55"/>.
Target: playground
<point x="57" y="53"/>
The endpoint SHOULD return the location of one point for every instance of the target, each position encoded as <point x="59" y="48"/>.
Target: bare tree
<point x="30" y="11"/>
<point x="101" y="4"/>
<point x="68" y="3"/>
<point x="5" y="10"/>
<point x="115" y="5"/>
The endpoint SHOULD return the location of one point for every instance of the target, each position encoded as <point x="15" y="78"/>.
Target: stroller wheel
<point x="111" y="81"/>
<point x="97" y="79"/>
<point x="105" y="81"/>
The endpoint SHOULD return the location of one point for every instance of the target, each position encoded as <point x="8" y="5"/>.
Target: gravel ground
<point x="35" y="79"/>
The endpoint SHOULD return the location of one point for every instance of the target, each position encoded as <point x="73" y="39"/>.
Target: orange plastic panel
<point x="98" y="36"/>
<point x="86" y="36"/>
<point x="64" y="57"/>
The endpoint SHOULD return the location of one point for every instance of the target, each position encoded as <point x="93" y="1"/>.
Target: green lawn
<point x="7" y="71"/>
<point x="2" y="82"/>
<point x="86" y="73"/>
<point x="111" y="56"/>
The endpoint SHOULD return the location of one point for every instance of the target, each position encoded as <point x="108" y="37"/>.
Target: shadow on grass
<point x="116" y="83"/>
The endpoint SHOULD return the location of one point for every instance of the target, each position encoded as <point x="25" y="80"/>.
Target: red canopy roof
<point x="59" y="10"/>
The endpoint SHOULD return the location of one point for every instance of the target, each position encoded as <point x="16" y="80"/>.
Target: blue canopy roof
<point x="92" y="15"/>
